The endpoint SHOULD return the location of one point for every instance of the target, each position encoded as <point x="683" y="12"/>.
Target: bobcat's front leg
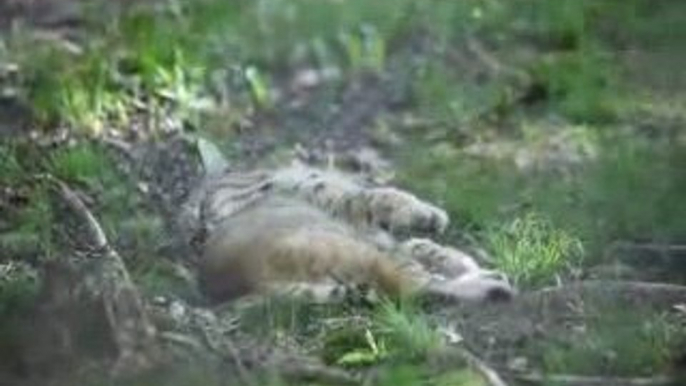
<point x="389" y="208"/>
<point x="399" y="211"/>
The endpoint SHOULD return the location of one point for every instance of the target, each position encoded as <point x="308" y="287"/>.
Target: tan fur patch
<point x="300" y="226"/>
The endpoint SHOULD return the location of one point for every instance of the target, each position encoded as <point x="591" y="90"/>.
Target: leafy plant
<point x="365" y="50"/>
<point x="370" y="354"/>
<point x="531" y="251"/>
<point x="259" y="87"/>
<point x="406" y="329"/>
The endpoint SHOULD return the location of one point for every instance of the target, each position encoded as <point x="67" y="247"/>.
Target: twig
<point x="491" y="376"/>
<point x="233" y="351"/>
<point x="119" y="146"/>
<point x="491" y="62"/>
<point x="445" y="358"/>
<point x="181" y="339"/>
<point x="213" y="345"/>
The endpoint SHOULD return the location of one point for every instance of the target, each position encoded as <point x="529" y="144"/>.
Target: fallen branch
<point x="491" y="376"/>
<point x="445" y="359"/>
<point x="489" y="60"/>
<point x="227" y="351"/>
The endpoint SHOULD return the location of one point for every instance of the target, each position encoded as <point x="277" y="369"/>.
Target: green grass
<point x="282" y="316"/>
<point x="397" y="333"/>
<point x="31" y="229"/>
<point x="581" y="85"/>
<point x="406" y="375"/>
<point x="596" y="204"/>
<point x="87" y="168"/>
<point x="82" y="163"/>
<point x="279" y="32"/>
<point x="616" y="341"/>
<point x="407" y="331"/>
<point x="28" y="222"/>
<point x="532" y="252"/>
<point x="11" y="169"/>
<point x="537" y="225"/>
<point x="64" y="87"/>
<point x="167" y="59"/>
<point x="373" y="336"/>
<point x="139" y="57"/>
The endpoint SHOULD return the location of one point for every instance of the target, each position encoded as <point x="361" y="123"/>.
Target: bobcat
<point x="310" y="232"/>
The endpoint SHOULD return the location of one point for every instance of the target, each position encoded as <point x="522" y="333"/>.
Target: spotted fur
<point x="307" y="231"/>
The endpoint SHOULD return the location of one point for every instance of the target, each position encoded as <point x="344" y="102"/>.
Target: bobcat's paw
<point x="481" y="287"/>
<point x="396" y="210"/>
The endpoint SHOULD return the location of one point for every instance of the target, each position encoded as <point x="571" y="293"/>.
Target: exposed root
<point x="97" y="235"/>
<point x="225" y="349"/>
<point x="446" y="358"/>
<point x="489" y="374"/>
<point x="133" y="333"/>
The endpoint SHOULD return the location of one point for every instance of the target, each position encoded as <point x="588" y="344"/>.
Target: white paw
<point x="483" y="286"/>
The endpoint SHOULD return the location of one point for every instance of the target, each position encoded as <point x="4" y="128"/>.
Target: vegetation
<point x="621" y="341"/>
<point x="529" y="251"/>
<point x="526" y="120"/>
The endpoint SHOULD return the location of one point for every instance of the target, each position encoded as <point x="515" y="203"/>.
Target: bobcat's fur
<point x="307" y="231"/>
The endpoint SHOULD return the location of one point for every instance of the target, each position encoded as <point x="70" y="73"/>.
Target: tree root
<point x="490" y="375"/>
<point x="133" y="333"/>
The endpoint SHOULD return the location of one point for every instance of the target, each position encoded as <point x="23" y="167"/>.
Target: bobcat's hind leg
<point x="460" y="276"/>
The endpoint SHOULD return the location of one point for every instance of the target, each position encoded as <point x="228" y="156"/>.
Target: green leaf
<point x="358" y="358"/>
<point x="212" y="158"/>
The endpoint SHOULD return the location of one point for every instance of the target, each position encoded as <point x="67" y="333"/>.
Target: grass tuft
<point x="407" y="330"/>
<point x="531" y="251"/>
